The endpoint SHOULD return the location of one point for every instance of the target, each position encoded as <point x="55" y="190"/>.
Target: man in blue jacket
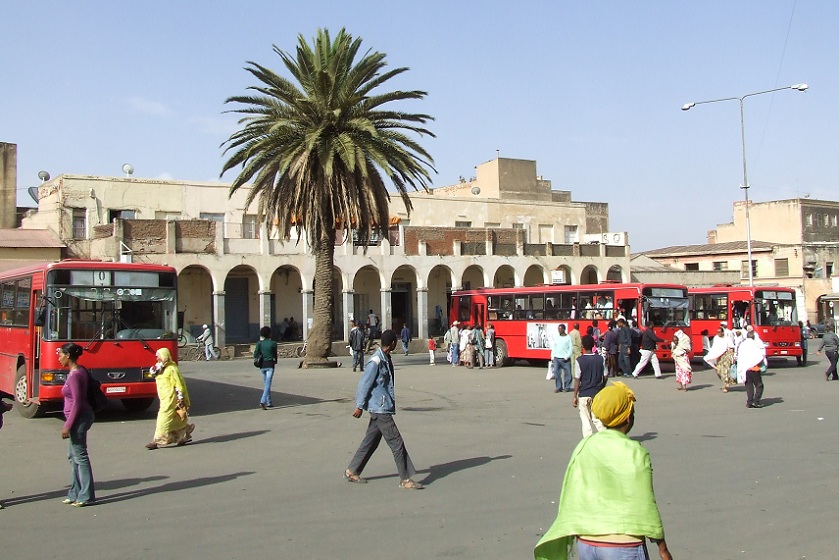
<point x="376" y="395"/>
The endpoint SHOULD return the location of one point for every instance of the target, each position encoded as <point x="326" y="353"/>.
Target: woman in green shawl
<point x="607" y="505"/>
<point x="172" y="425"/>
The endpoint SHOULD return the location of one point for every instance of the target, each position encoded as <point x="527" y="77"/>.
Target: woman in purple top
<point x="79" y="419"/>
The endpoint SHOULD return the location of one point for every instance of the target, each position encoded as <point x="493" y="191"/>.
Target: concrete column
<point x="264" y="242"/>
<point x="422" y="313"/>
<point x="349" y="312"/>
<point x="265" y="308"/>
<point x="171" y="237"/>
<point x="219" y="321"/>
<point x="308" y="312"/>
<point x="387" y="310"/>
<point x="8" y="185"/>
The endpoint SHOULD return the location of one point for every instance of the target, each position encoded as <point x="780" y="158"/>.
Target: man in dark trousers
<point x="589" y="378"/>
<point x="648" y="345"/>
<point x="624" y="347"/>
<point x="357" y="346"/>
<point x="376" y="395"/>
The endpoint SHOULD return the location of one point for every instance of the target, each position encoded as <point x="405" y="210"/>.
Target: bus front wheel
<point x="137" y="405"/>
<point x="502" y="357"/>
<point x="25" y="407"/>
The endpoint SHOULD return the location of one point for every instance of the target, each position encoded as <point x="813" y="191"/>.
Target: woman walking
<point x="680" y="348"/>
<point x="172" y="425"/>
<point x="720" y="357"/>
<point x="79" y="418"/>
<point x="266" y="349"/>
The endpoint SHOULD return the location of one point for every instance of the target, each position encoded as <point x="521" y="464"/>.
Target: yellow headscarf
<point x="164" y="355"/>
<point x="613" y="404"/>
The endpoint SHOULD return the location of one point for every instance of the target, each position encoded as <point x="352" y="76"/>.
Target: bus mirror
<point x="41" y="316"/>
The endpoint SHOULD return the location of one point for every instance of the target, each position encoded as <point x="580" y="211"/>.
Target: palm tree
<point x="319" y="149"/>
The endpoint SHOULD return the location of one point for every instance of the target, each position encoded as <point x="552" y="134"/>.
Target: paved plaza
<point x="491" y="446"/>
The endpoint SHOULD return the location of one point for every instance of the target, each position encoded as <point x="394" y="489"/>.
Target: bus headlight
<point x="53" y="377"/>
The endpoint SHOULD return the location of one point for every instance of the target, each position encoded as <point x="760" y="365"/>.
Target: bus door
<point x="741" y="314"/>
<point x="629" y="309"/>
<point x="478" y="315"/>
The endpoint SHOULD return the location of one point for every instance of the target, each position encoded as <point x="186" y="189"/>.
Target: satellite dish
<point x="128" y="169"/>
<point x="43" y="175"/>
<point x="476" y="190"/>
<point x="33" y="191"/>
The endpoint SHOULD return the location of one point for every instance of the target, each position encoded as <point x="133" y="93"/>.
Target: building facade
<point x="795" y="244"/>
<point x="505" y="227"/>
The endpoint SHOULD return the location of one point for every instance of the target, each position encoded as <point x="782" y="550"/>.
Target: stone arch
<point x="589" y="275"/>
<point x="366" y="285"/>
<point x="615" y="274"/>
<point x="505" y="277"/>
<point x="534" y="275"/>
<point x="241" y="305"/>
<point x="403" y="299"/>
<point x="195" y="299"/>
<point x="285" y="286"/>
<point x="438" y="301"/>
<point x="473" y="277"/>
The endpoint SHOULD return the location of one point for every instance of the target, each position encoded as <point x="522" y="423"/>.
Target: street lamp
<point x="745" y="185"/>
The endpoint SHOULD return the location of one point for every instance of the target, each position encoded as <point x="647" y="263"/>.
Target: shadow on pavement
<point x="227" y="437"/>
<point x="170" y="487"/>
<point x="647" y="436"/>
<point x="213" y="397"/>
<point x="100" y="485"/>
<point x="436" y="472"/>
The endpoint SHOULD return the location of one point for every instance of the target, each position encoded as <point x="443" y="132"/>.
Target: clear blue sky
<point x="590" y="90"/>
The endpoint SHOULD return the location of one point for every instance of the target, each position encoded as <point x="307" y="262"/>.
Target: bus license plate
<point x="114" y="389"/>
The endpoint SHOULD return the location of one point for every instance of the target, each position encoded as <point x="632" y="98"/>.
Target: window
<point x="720" y="265"/>
<point x="492" y="225"/>
<point x="744" y="269"/>
<point x="213" y="217"/>
<point x="829" y="270"/>
<point x="168" y="216"/>
<point x="121" y="215"/>
<point x="826" y="220"/>
<point x="835" y="220"/>
<point x="462" y="224"/>
<point x="79" y="223"/>
<point x="692" y="267"/>
<point x="250" y="229"/>
<point x="571" y="234"/>
<point x="521" y="226"/>
<point x="781" y="267"/>
<point x="809" y="219"/>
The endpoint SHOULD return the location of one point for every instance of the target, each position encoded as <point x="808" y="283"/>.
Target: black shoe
<point x="750" y="406"/>
<point x="262" y="406"/>
<point x="557" y="390"/>
<point x="757" y="405"/>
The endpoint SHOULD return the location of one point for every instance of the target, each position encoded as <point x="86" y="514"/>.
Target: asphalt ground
<point x="491" y="446"/>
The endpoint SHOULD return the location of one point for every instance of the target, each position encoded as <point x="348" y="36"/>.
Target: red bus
<point x="525" y="318"/>
<point x="120" y="313"/>
<point x="770" y="310"/>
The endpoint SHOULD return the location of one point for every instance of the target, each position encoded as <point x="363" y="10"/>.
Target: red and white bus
<point x="525" y="318"/>
<point x="770" y="311"/>
<point x="120" y="313"/>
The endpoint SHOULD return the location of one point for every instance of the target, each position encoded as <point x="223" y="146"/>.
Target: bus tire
<point x="502" y="358"/>
<point x="25" y="407"/>
<point x="137" y="405"/>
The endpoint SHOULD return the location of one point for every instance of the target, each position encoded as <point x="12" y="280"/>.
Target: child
<point x="432" y="347"/>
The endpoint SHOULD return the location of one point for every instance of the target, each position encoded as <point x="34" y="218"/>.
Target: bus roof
<point x="83" y="264"/>
<point x="567" y="288"/>
<point x="729" y="289"/>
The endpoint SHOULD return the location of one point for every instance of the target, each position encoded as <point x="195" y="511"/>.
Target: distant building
<point x="505" y="227"/>
<point x="795" y="243"/>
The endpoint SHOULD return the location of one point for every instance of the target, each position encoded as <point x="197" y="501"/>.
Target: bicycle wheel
<point x="217" y="353"/>
<point x="181" y="341"/>
<point x="300" y="351"/>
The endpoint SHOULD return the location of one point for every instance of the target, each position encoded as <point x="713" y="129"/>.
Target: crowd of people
<point x="469" y="345"/>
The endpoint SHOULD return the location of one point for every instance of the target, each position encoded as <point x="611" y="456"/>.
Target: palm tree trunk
<point x="320" y="337"/>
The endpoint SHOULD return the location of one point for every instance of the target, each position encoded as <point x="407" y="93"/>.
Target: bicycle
<point x="300" y="351"/>
<point x="196" y="352"/>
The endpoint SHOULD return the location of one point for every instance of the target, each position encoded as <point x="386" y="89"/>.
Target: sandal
<point x="151" y="446"/>
<point x="351" y="477"/>
<point x="410" y="485"/>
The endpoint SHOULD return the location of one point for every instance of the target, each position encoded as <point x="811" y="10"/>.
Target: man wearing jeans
<point x="561" y="355"/>
<point x="376" y="395"/>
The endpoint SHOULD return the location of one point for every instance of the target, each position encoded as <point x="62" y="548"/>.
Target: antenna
<point x="128" y="169"/>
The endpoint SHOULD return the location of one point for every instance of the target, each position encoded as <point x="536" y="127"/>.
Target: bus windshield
<point x="110" y="312"/>
<point x="775" y="308"/>
<point x="666" y="311"/>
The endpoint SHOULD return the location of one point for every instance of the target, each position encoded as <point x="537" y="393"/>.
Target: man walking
<point x="357" y="346"/>
<point x="376" y="395"/>
<point x="452" y="340"/>
<point x="209" y="343"/>
<point x="561" y="350"/>
<point x="405" y="335"/>
<point x="648" y="345"/>
<point x="589" y="378"/>
<point x="624" y="347"/>
<point x="576" y="347"/>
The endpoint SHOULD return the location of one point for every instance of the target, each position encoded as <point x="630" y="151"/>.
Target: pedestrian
<point x="721" y="356"/>
<point x="266" y="349"/>
<point x="589" y="379"/>
<point x="680" y="350"/>
<point x="830" y="345"/>
<point x="372" y="325"/>
<point x="489" y="346"/>
<point x="357" y="345"/>
<point x="576" y="346"/>
<point x="561" y="351"/>
<point x="79" y="418"/>
<point x="172" y="418"/>
<point x="465" y="349"/>
<point x="624" y="348"/>
<point x="405" y="335"/>
<point x="649" y="343"/>
<point x="607" y="504"/>
<point x="432" y="347"/>
<point x="375" y="394"/>
<point x="478" y="337"/>
<point x="452" y="341"/>
<point x="610" y="346"/>
<point x="805" y="341"/>
<point x="209" y="343"/>
<point x="750" y="357"/>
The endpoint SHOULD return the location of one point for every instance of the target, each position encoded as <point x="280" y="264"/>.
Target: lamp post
<point x="745" y="185"/>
